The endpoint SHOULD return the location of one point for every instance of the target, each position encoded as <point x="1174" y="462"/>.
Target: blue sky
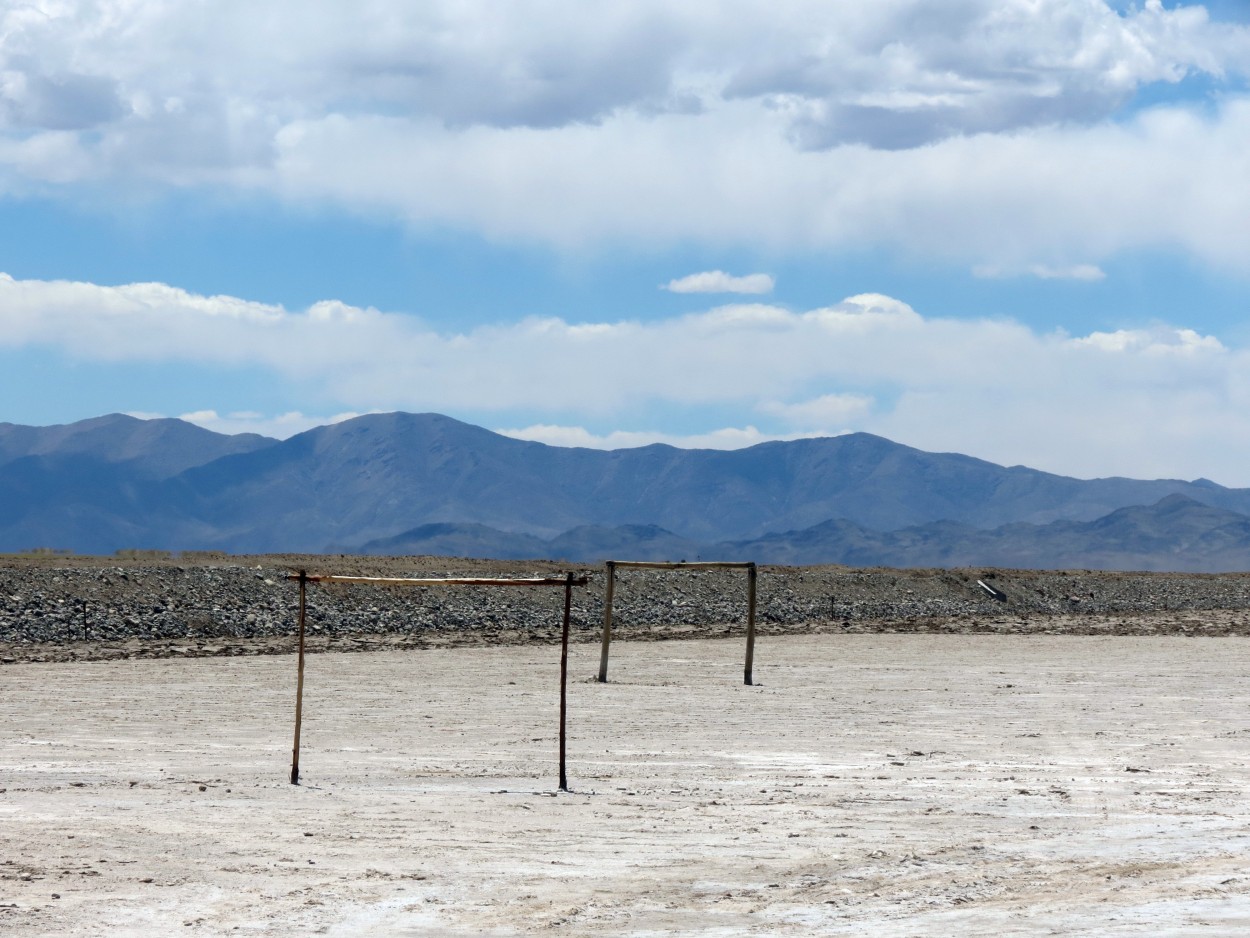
<point x="1016" y="229"/>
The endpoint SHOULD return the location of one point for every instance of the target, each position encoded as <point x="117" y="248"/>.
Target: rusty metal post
<point x="299" y="682"/>
<point x="608" y="590"/>
<point x="750" y="623"/>
<point x="564" y="677"/>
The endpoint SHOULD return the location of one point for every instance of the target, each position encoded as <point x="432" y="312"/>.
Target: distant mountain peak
<point x="432" y="482"/>
<point x="156" y="447"/>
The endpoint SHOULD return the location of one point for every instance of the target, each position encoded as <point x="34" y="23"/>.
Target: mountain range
<point x="425" y="483"/>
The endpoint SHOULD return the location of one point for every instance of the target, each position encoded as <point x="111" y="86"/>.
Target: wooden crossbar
<point x="568" y="581"/>
<point x="611" y="567"/>
<point x="437" y="581"/>
<point x="685" y="564"/>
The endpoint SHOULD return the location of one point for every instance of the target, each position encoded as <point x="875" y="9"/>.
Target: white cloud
<point x="275" y="426"/>
<point x="827" y="410"/>
<point x="717" y="281"/>
<point x="280" y="426"/>
<point x="723" y="438"/>
<point x="1162" y="401"/>
<point x="1165" y="180"/>
<point x="887" y="72"/>
<point x="1089" y="273"/>
<point x="1161" y="340"/>
<point x="653" y="122"/>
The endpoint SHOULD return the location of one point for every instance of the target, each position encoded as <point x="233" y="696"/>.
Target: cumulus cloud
<point x="1159" y="401"/>
<point x="717" y="281"/>
<point x="913" y="73"/>
<point x="1160" y="340"/>
<point x="654" y="120"/>
<point x="893" y="72"/>
<point x="1165" y="179"/>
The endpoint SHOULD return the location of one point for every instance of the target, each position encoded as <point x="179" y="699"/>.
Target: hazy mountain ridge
<point x="427" y="483"/>
<point x="157" y="448"/>
<point x="1176" y="534"/>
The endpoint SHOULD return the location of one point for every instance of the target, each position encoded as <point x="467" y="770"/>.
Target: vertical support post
<point x="299" y="681"/>
<point x="608" y="590"/>
<point x="564" y="676"/>
<point x="750" y="624"/>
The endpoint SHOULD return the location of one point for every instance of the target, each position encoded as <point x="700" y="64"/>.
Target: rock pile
<point x="65" y="600"/>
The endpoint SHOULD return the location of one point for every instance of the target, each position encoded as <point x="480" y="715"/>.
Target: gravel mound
<point x="203" y="605"/>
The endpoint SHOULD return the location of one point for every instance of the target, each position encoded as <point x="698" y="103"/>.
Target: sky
<point x="1016" y="229"/>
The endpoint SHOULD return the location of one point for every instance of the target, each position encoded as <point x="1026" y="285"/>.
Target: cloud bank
<point x="959" y="130"/>
<point x="1159" y="401"/>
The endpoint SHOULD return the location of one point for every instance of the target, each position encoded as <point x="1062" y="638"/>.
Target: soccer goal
<point x="610" y="591"/>
<point x="568" y="582"/>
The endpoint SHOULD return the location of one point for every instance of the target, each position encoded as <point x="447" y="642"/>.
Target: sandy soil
<point x="925" y="784"/>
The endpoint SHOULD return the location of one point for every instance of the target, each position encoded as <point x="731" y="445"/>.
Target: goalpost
<point x="610" y="589"/>
<point x="568" y="582"/>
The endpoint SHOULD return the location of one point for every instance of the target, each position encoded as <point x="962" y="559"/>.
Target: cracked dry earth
<point x="891" y="784"/>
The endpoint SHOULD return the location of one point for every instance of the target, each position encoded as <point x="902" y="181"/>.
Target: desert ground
<point x="867" y="784"/>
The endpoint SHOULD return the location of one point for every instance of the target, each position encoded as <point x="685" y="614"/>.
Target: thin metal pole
<point x="750" y="623"/>
<point x="608" y="590"/>
<point x="564" y="677"/>
<point x="299" y="682"/>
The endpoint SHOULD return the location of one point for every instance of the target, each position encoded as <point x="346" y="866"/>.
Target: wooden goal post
<point x="610" y="590"/>
<point x="568" y="582"/>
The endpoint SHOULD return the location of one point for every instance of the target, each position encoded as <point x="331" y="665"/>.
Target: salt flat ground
<point x="869" y="784"/>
